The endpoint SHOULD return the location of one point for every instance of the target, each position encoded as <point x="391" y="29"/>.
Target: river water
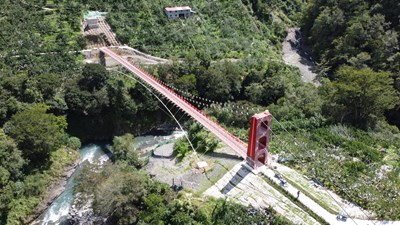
<point x="58" y="211"/>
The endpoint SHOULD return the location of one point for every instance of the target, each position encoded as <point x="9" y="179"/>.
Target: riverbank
<point x="54" y="190"/>
<point x="58" y="211"/>
<point x="59" y="205"/>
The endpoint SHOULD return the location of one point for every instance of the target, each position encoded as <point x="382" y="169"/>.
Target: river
<point x="58" y="211"/>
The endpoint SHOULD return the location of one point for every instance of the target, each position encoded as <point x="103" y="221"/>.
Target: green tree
<point x="186" y="82"/>
<point x="9" y="105"/>
<point x="361" y="96"/>
<point x="367" y="41"/>
<point x="221" y="82"/>
<point x="202" y="139"/>
<point x="329" y="24"/>
<point x="37" y="132"/>
<point x="356" y="33"/>
<point x="181" y="212"/>
<point x="11" y="161"/>
<point x="123" y="149"/>
<point x="122" y="104"/>
<point x="88" y="94"/>
<point x="181" y="148"/>
<point x="94" y="76"/>
<point x="155" y="209"/>
<point x="120" y="194"/>
<point x="48" y="85"/>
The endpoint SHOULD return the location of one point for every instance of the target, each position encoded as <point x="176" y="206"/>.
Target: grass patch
<point x="306" y="192"/>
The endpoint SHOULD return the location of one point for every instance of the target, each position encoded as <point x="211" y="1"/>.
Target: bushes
<point x="349" y="161"/>
<point x="201" y="139"/>
<point x="181" y="148"/>
<point x="124" y="150"/>
<point x="362" y="151"/>
<point x="326" y="138"/>
<point x="74" y="143"/>
<point x="354" y="168"/>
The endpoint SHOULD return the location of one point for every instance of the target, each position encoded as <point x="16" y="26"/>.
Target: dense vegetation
<point x="101" y="105"/>
<point x="316" y="128"/>
<point x="346" y="116"/>
<point x="360" y="34"/>
<point x="44" y="91"/>
<point x="356" y="46"/>
<point x="220" y="29"/>
<point x="34" y="150"/>
<point x="229" y="53"/>
<point x="357" y="33"/>
<point x="34" y="147"/>
<point x="125" y="195"/>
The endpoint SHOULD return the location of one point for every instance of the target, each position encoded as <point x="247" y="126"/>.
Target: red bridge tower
<point x="257" y="149"/>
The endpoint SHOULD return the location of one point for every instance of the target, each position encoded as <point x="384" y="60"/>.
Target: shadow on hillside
<point x="235" y="180"/>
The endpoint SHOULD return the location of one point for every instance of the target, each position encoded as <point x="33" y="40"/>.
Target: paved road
<point x="317" y="209"/>
<point x="250" y="189"/>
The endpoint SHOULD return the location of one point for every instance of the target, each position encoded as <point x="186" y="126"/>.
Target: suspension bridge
<point x="255" y="152"/>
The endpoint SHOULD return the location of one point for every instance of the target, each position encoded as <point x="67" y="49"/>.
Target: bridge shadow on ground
<point x="170" y="157"/>
<point x="225" y="155"/>
<point x="236" y="179"/>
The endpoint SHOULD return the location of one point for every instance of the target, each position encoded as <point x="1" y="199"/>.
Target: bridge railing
<point x="191" y="105"/>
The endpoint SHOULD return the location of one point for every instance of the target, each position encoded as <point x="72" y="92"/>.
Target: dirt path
<point x="294" y="55"/>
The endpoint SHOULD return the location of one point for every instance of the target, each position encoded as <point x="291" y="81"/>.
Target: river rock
<point x="81" y="212"/>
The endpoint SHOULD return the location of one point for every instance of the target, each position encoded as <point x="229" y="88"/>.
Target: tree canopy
<point x="36" y="132"/>
<point x="11" y="161"/>
<point x="356" y="33"/>
<point x="361" y="96"/>
<point x="123" y="149"/>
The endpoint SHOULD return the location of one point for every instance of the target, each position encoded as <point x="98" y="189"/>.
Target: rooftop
<point x="177" y="8"/>
<point x="94" y="14"/>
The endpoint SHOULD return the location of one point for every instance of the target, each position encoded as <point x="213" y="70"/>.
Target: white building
<point x="178" y="12"/>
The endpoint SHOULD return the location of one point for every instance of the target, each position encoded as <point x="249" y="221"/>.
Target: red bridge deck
<point x="233" y="142"/>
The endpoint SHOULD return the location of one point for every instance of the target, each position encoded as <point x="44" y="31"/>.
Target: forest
<point x="344" y="133"/>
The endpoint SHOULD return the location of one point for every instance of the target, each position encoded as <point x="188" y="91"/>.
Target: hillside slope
<point x="220" y="29"/>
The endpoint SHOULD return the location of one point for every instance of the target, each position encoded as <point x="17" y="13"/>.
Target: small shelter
<point x="92" y="18"/>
